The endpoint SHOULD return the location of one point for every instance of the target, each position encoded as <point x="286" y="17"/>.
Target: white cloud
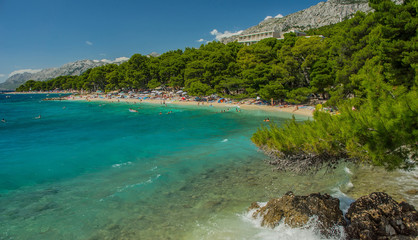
<point x="106" y="60"/>
<point x="201" y="40"/>
<point x="120" y="59"/>
<point x="89" y="43"/>
<point x="219" y="35"/>
<point x="2" y="75"/>
<point x="23" y="71"/>
<point x="270" y="17"/>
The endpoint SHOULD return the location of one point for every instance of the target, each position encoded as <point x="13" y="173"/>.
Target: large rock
<point x="296" y="211"/>
<point x="378" y="216"/>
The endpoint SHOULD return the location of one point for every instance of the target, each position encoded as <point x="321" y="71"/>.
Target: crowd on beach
<point x="182" y="98"/>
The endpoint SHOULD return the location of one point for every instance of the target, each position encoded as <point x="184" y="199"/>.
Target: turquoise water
<point x="94" y="170"/>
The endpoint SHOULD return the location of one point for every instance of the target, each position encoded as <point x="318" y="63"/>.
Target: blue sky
<point x="37" y="34"/>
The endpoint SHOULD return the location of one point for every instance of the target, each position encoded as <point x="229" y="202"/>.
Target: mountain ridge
<point x="322" y="14"/>
<point x="69" y="69"/>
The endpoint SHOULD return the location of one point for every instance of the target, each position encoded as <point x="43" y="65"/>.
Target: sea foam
<point x="309" y="231"/>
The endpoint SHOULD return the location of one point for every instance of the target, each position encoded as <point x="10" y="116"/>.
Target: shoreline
<point x="306" y="111"/>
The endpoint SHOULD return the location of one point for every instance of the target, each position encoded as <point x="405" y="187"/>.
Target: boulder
<point x="378" y="216"/>
<point x="296" y="211"/>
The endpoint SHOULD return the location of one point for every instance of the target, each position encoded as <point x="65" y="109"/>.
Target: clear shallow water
<point x="97" y="171"/>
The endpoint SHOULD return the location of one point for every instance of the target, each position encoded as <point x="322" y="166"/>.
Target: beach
<point x="232" y="106"/>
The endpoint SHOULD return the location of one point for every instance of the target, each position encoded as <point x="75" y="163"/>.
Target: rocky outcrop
<point x="378" y="216"/>
<point x="322" y="14"/>
<point x="296" y="211"/>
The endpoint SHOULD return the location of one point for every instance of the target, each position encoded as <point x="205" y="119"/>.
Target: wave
<point x="118" y="165"/>
<point x="309" y="231"/>
<point x="153" y="169"/>
<point x="345" y="201"/>
<point x="347" y="170"/>
<point x="130" y="186"/>
<point x="225" y="140"/>
<point x="149" y="181"/>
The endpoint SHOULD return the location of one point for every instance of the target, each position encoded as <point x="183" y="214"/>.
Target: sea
<point x="95" y="170"/>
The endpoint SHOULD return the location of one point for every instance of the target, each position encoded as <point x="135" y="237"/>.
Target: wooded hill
<point x="369" y="69"/>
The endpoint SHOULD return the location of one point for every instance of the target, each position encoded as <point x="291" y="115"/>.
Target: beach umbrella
<point x="184" y="93"/>
<point x="179" y="91"/>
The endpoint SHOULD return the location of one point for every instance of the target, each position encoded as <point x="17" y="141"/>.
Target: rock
<point x="296" y="211"/>
<point x="253" y="205"/>
<point x="378" y="216"/>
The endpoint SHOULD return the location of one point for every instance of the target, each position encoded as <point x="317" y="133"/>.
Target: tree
<point x="199" y="89"/>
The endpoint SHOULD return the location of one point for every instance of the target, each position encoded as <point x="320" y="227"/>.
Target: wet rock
<point x="378" y="216"/>
<point x="296" y="211"/>
<point x="254" y="205"/>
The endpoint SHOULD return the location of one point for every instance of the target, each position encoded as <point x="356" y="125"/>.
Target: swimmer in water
<point x="3" y="120"/>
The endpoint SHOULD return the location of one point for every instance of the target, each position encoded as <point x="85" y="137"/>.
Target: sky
<point x="38" y="34"/>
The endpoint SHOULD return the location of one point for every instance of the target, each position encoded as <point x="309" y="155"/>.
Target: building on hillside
<point x="252" y="38"/>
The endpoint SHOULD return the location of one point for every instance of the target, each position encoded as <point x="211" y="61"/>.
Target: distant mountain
<point x="322" y="14"/>
<point x="73" y="69"/>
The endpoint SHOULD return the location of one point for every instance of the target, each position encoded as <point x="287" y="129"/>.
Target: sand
<point x="299" y="110"/>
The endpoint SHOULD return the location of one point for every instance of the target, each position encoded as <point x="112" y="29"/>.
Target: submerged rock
<point x="296" y="211"/>
<point x="378" y="216"/>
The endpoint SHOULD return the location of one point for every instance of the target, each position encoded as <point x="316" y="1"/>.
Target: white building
<point x="251" y="38"/>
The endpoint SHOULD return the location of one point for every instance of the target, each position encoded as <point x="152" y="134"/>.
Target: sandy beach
<point x="296" y="109"/>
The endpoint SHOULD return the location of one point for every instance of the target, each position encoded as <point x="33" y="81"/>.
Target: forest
<point x="365" y="67"/>
<point x="369" y="70"/>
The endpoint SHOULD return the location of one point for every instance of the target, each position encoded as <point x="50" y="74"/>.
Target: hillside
<point x="322" y="14"/>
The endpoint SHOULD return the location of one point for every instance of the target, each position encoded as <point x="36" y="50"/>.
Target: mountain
<point x="73" y="68"/>
<point x="322" y="14"/>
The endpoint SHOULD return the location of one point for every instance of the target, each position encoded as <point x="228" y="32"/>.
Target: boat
<point x="132" y="110"/>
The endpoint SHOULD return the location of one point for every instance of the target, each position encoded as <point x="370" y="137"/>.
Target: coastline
<point x="298" y="110"/>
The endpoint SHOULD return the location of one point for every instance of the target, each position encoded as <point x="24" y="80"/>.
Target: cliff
<point x="322" y="14"/>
